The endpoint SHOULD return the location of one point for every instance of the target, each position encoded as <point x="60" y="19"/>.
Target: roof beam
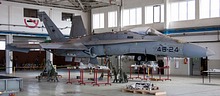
<point x="73" y="2"/>
<point x="81" y="5"/>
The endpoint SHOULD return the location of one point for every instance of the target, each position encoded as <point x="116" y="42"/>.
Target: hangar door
<point x="197" y="65"/>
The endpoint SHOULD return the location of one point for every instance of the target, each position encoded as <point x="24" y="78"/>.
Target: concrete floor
<point x="179" y="86"/>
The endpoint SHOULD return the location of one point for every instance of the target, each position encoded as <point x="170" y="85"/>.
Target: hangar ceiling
<point x="84" y="5"/>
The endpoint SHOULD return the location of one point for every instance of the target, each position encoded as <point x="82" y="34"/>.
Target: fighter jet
<point x="144" y="43"/>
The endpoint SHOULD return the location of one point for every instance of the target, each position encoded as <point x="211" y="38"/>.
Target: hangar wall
<point x="197" y="22"/>
<point x="213" y="45"/>
<point x="177" y="66"/>
<point x="209" y="41"/>
<point x="13" y="15"/>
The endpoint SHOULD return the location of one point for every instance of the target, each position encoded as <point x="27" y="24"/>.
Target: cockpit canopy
<point x="145" y="31"/>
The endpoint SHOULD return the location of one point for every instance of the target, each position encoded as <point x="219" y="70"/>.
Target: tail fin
<point x="53" y="31"/>
<point x="77" y="28"/>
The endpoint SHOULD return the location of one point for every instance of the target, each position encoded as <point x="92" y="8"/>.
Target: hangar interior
<point x="191" y="21"/>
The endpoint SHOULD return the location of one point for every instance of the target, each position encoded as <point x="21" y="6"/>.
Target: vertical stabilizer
<point x="53" y="31"/>
<point x="77" y="28"/>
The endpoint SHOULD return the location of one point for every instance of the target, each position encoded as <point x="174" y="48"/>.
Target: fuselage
<point x="130" y="42"/>
<point x="140" y="40"/>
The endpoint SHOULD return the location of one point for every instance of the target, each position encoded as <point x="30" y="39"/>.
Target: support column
<point x="49" y="55"/>
<point x="188" y="64"/>
<point x="197" y="9"/>
<point x="166" y="14"/>
<point x="9" y="55"/>
<point x="119" y="62"/>
<point x="119" y="15"/>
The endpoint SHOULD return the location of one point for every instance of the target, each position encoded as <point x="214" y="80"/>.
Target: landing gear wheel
<point x="139" y="58"/>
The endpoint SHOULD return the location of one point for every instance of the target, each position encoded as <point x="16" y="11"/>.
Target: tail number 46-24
<point x="167" y="49"/>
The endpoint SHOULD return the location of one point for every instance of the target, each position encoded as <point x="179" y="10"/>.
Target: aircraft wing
<point x="104" y="42"/>
<point x="64" y="46"/>
<point x="28" y="46"/>
<point x="22" y="47"/>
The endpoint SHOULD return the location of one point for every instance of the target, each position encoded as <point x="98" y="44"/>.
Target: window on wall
<point x="209" y="8"/>
<point x="30" y="13"/>
<point x="132" y="16"/>
<point x="149" y="14"/>
<point x="67" y="16"/>
<point x="98" y="20"/>
<point x="157" y="12"/>
<point x="191" y="10"/>
<point x="112" y="19"/>
<point x="154" y="14"/>
<point x="184" y="10"/>
<point x="162" y="13"/>
<point x="2" y="45"/>
<point x="125" y="17"/>
<point x="204" y="8"/>
<point x="214" y="8"/>
<point x="174" y="12"/>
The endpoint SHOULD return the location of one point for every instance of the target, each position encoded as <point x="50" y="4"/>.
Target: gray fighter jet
<point x="143" y="43"/>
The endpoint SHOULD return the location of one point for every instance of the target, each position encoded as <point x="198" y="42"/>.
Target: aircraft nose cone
<point x="209" y="53"/>
<point x="191" y="50"/>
